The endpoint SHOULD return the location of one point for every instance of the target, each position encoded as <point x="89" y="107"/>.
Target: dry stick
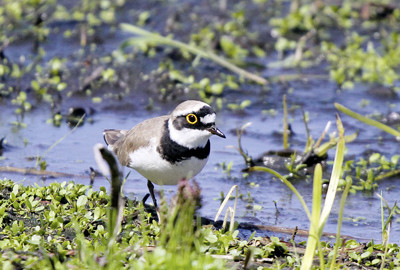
<point x="298" y="231"/>
<point x="301" y="44"/>
<point x="230" y="211"/>
<point x="328" y="125"/>
<point x="96" y="74"/>
<point x="33" y="171"/>
<point x="239" y="133"/>
<point x="285" y="124"/>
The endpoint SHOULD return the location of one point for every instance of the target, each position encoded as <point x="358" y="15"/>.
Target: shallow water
<point x="74" y="155"/>
<point x="315" y="93"/>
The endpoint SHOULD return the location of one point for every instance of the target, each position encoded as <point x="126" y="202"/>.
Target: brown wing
<point x="113" y="135"/>
<point x="125" y="142"/>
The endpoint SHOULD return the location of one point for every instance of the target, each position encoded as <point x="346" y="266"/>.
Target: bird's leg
<point x="151" y="189"/>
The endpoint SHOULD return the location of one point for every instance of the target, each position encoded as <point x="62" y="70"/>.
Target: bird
<point x="168" y="148"/>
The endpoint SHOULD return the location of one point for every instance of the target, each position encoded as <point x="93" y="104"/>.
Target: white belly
<point x="148" y="162"/>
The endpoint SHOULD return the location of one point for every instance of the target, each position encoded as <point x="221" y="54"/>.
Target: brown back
<point x="125" y="142"/>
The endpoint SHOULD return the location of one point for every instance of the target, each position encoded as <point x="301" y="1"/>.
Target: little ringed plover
<point x="169" y="148"/>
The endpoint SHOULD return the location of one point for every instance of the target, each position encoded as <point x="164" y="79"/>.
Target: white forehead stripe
<point x="208" y="119"/>
<point x="192" y="109"/>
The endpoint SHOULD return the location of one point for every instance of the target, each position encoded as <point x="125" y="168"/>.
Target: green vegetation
<point x="364" y="174"/>
<point x="361" y="58"/>
<point x="377" y="167"/>
<point x="148" y="37"/>
<point x="367" y="121"/>
<point x="234" y="55"/>
<point x="67" y="225"/>
<point x="304" y="35"/>
<point x="319" y="217"/>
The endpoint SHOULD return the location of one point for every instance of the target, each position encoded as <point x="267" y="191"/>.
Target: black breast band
<point x="173" y="152"/>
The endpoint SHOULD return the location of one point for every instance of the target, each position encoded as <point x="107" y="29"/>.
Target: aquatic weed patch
<point x="89" y="71"/>
<point x="49" y="211"/>
<point x="367" y="173"/>
<point x="350" y="42"/>
<point x="63" y="225"/>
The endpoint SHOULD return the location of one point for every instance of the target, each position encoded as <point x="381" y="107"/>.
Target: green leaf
<point x="15" y="190"/>
<point x="257" y="207"/>
<point x="35" y="239"/>
<point x="97" y="213"/>
<point x="211" y="238"/>
<point x="217" y="88"/>
<point x="366" y="254"/>
<point x="39" y="208"/>
<point x="374" y="158"/>
<point x="82" y="200"/>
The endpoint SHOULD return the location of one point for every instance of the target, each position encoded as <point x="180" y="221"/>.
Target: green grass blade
<point x="340" y="220"/>
<point x="313" y="237"/>
<point x="323" y="149"/>
<point x="229" y="210"/>
<point x="317" y="191"/>
<point x="335" y="176"/>
<point x="157" y="38"/>
<point x="382" y="219"/>
<point x="288" y="184"/>
<point x="367" y="120"/>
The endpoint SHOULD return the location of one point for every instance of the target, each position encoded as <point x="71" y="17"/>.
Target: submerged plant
<point x="146" y="36"/>
<point x="293" y="161"/>
<point x="23" y="106"/>
<point x="354" y="63"/>
<point x="317" y="217"/>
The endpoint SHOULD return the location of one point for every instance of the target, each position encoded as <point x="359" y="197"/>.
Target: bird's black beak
<point x="214" y="130"/>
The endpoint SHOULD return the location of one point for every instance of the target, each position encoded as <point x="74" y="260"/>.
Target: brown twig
<point x="33" y="171"/>
<point x="96" y="74"/>
<point x="284" y="230"/>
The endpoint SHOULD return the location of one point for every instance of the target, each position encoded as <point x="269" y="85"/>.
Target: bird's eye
<point x="191" y="118"/>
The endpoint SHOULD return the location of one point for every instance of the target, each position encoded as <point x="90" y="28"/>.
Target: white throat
<point x="190" y="138"/>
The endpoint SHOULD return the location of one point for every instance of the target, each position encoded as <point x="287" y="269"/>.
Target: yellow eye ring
<point x="191" y="118"/>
